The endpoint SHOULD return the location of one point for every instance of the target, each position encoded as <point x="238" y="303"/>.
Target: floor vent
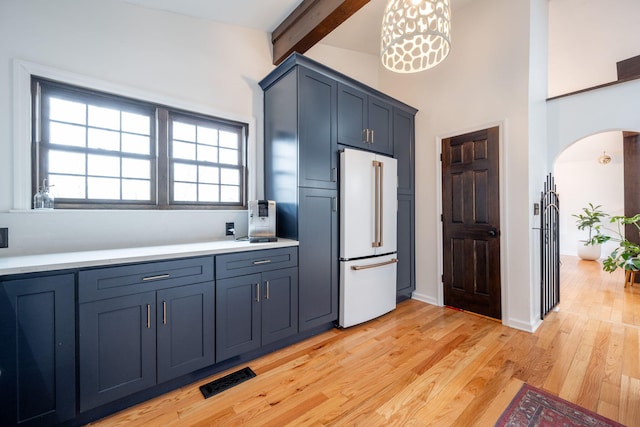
<point x="226" y="382"/>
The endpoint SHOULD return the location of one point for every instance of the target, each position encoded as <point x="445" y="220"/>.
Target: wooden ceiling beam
<point x="309" y="23"/>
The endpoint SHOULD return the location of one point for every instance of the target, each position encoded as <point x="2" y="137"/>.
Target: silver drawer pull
<point x="264" y="261"/>
<point x="380" y="264"/>
<point x="160" y="276"/>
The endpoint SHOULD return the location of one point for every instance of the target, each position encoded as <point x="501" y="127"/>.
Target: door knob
<point x="493" y="233"/>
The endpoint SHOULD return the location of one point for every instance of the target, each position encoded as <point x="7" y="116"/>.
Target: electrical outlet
<point x="230" y="229"/>
<point x="4" y="237"/>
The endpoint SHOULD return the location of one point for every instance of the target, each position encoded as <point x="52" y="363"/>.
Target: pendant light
<point x="605" y="159"/>
<point x="415" y="34"/>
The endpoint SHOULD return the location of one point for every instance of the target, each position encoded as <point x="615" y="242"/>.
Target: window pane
<point x="184" y="131"/>
<point x="135" y="144"/>
<point x="104" y="139"/>
<point x="67" y="163"/>
<point x="104" y="117"/>
<point x="208" y="193"/>
<point x="208" y="175"/>
<point x="207" y="136"/>
<point x="183" y="150"/>
<point x="207" y="154"/>
<point x="67" y="187"/>
<point x="104" y="165"/>
<point x="229" y="139"/>
<point x="229" y="193"/>
<point x="104" y="188"/>
<point x="136" y="123"/>
<point x="230" y="176"/>
<point x="182" y="172"/>
<point x="67" y="111"/>
<point x="183" y="192"/>
<point x="135" y="189"/>
<point x="63" y="134"/>
<point x="229" y="157"/>
<point x="136" y="168"/>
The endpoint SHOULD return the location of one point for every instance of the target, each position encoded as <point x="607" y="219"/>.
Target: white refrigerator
<point x="368" y="224"/>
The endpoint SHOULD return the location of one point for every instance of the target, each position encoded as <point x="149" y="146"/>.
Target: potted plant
<point x="627" y="254"/>
<point x="591" y="219"/>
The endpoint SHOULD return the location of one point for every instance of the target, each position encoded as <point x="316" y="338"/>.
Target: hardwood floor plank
<point x="422" y="365"/>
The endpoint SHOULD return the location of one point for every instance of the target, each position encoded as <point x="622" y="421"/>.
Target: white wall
<point x="483" y="82"/>
<point x="586" y="39"/>
<point x="191" y="63"/>
<point x="582" y="180"/>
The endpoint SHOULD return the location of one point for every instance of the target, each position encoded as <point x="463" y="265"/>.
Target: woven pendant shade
<point x="415" y="34"/>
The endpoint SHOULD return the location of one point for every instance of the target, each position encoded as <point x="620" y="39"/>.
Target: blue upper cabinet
<point x="364" y="120"/>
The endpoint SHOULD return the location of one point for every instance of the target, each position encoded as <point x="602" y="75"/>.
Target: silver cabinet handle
<point x="334" y="201"/>
<point x="380" y="264"/>
<point x="264" y="261"/>
<point x="160" y="276"/>
<point x="266" y="283"/>
<point x="366" y="135"/>
<point x="257" y="292"/>
<point x="334" y="174"/>
<point x="164" y="312"/>
<point x="373" y="136"/>
<point x="148" y="316"/>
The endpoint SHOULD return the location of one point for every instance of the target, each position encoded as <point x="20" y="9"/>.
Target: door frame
<point x="504" y="242"/>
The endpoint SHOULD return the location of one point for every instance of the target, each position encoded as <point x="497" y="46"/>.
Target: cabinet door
<point x="37" y="354"/>
<point x="237" y="315"/>
<point x="279" y="304"/>
<point x="380" y="123"/>
<point x="317" y="130"/>
<point x="352" y="117"/>
<point x="185" y="319"/>
<point x="318" y="257"/>
<point x="117" y="348"/>
<point x="406" y="282"/>
<point x="403" y="150"/>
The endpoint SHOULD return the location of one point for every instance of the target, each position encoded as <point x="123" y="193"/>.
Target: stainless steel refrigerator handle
<point x="380" y="264"/>
<point x="376" y="207"/>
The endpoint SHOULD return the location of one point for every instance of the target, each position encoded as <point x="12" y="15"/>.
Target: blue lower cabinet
<point x="255" y="310"/>
<point x="117" y="348"/>
<point x="131" y="343"/>
<point x="37" y="354"/>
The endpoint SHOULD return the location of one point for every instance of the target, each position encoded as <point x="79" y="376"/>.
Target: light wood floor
<point x="430" y="366"/>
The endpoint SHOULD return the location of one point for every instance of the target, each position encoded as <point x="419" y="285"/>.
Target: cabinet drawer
<point x="129" y="279"/>
<point x="242" y="263"/>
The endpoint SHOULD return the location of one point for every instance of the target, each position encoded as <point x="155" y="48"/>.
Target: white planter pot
<point x="589" y="252"/>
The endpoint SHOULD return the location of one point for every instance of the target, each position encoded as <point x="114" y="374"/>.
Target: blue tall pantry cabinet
<point x="310" y="112"/>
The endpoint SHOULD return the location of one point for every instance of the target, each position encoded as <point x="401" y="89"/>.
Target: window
<point x="104" y="151"/>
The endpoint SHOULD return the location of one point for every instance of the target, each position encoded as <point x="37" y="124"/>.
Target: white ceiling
<point x="361" y="32"/>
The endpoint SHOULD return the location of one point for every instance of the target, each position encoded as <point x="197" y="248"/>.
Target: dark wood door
<point x="471" y="222"/>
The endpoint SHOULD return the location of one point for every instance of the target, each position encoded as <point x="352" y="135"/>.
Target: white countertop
<point x="65" y="260"/>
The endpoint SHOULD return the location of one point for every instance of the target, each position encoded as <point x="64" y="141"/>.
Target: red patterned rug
<point x="534" y="407"/>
